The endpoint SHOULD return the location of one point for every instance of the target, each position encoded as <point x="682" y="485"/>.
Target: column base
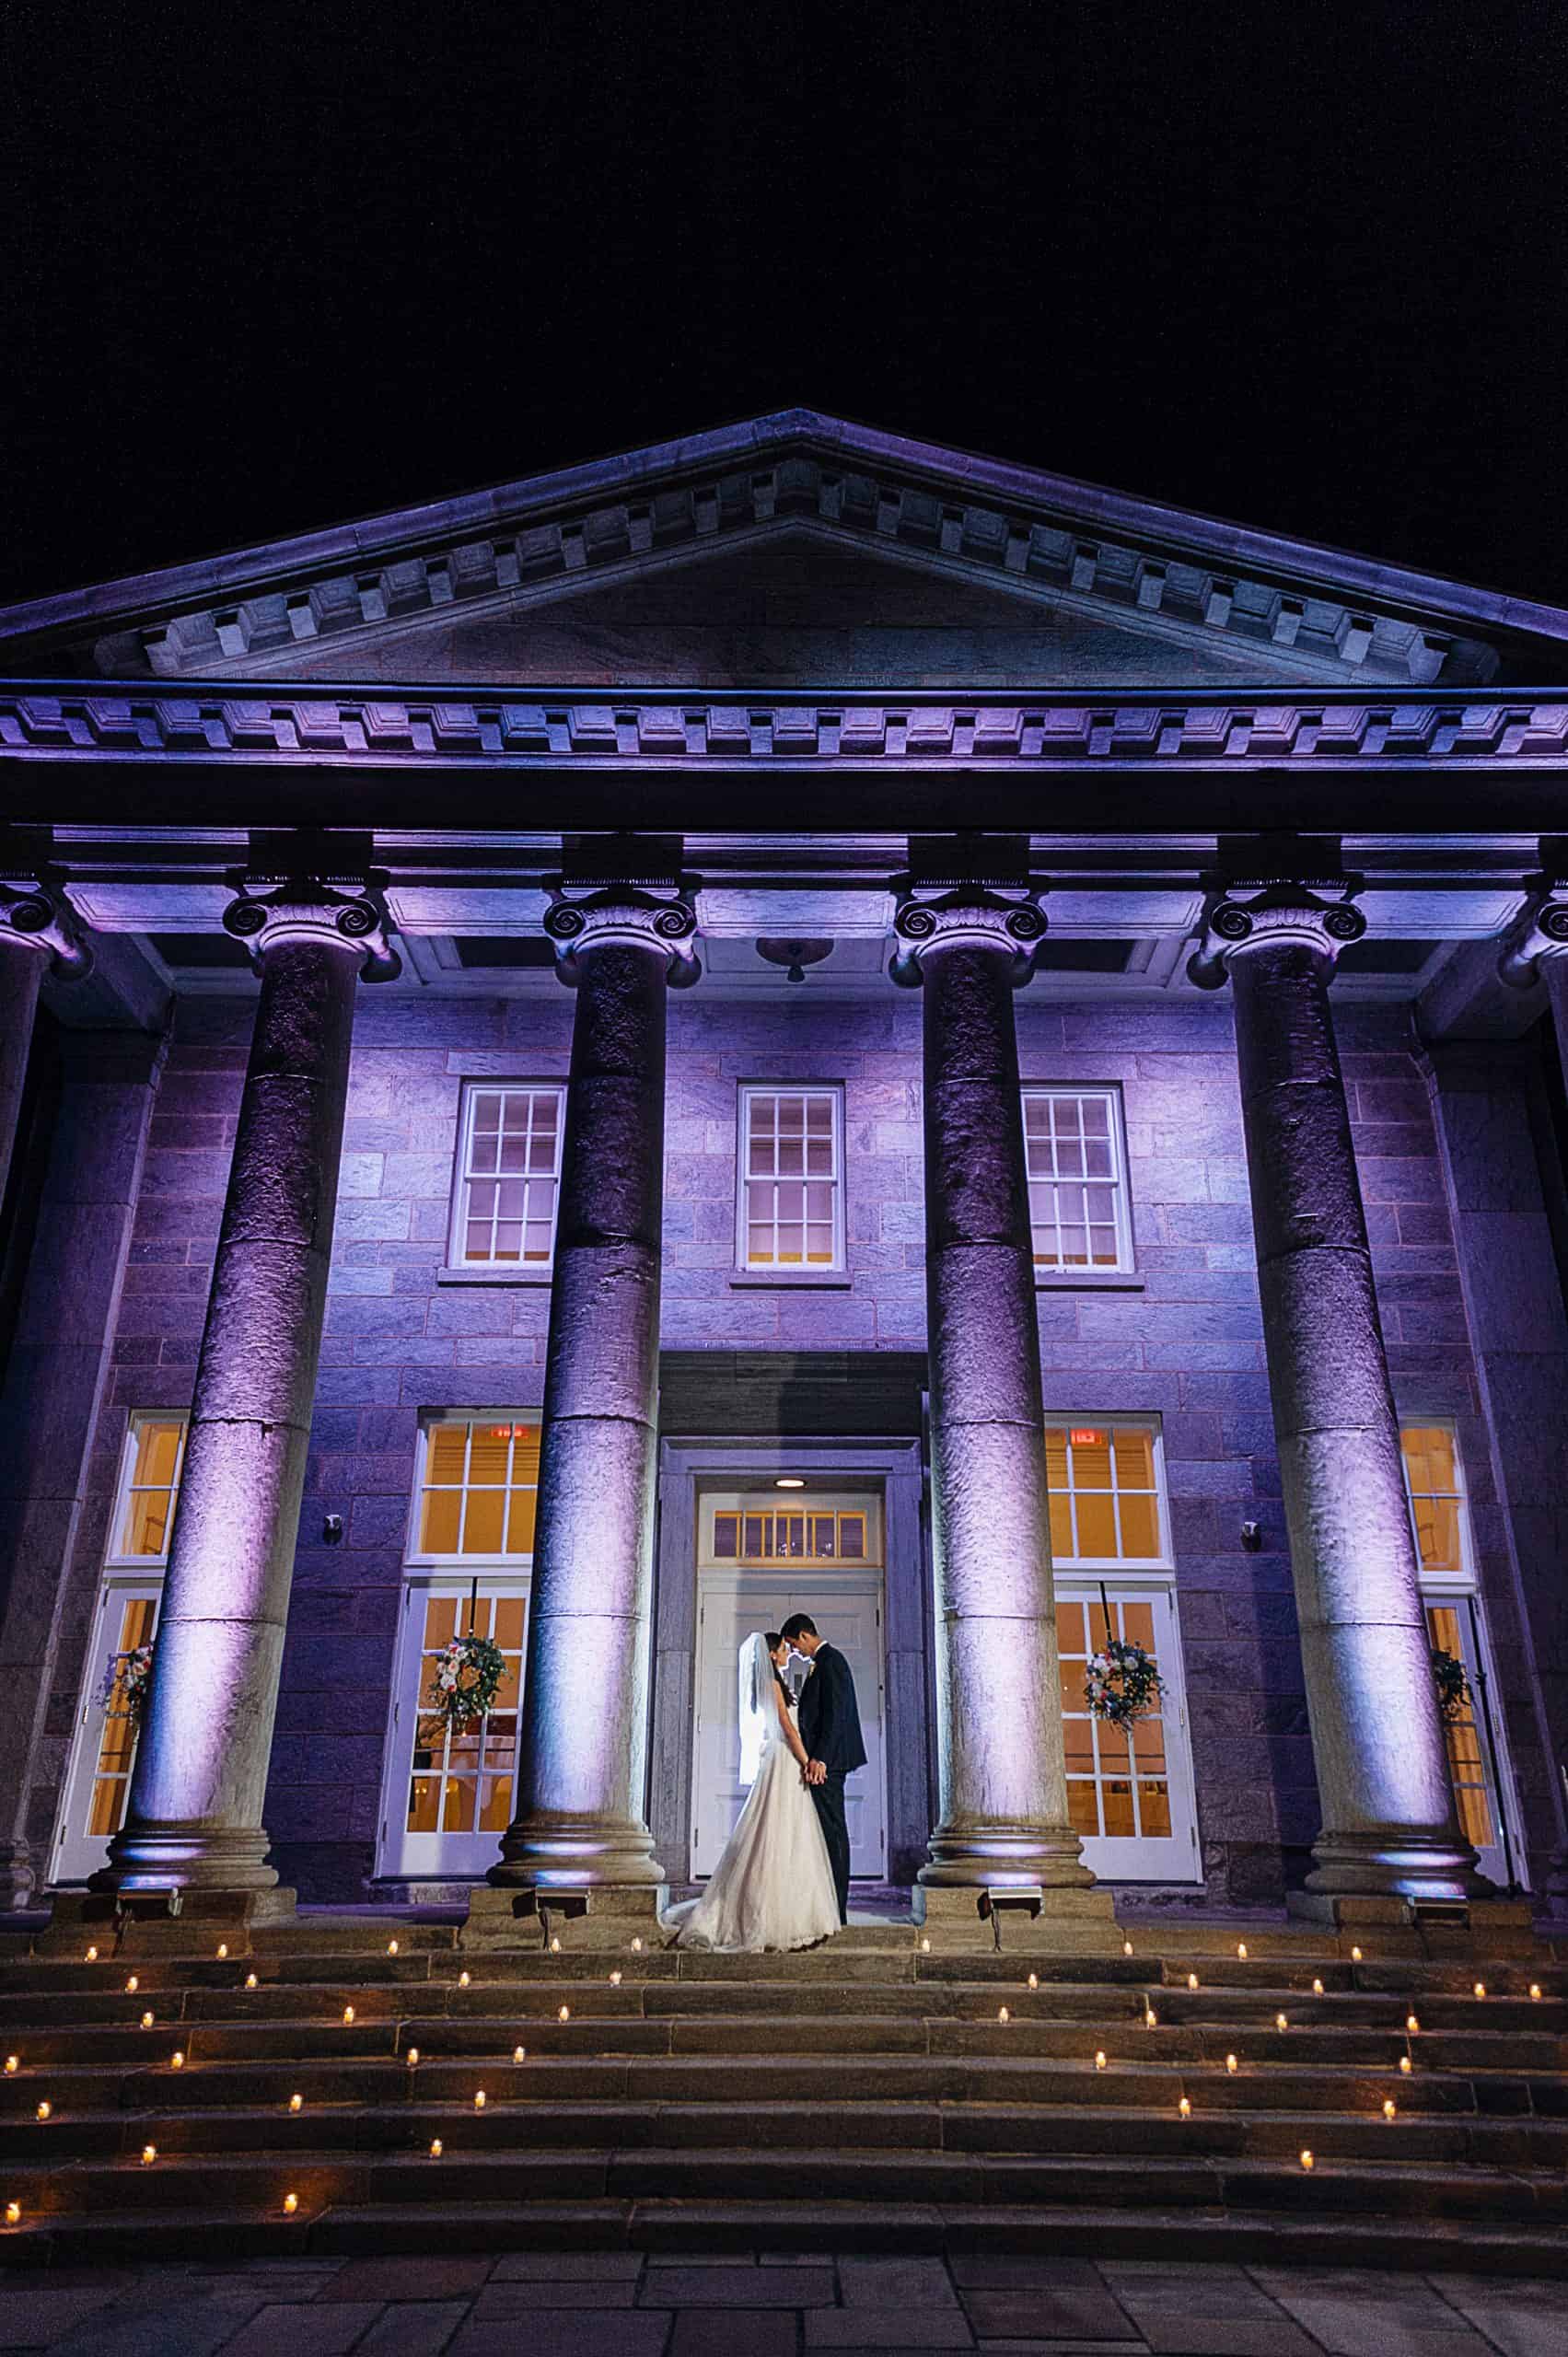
<point x="1390" y="1924"/>
<point x="997" y="1857"/>
<point x="19" y="1879"/>
<point x="152" y="1858"/>
<point x="565" y="1855"/>
<point x="1392" y="1865"/>
<point x="1042" y="1921"/>
<point x="600" y="1918"/>
<point x="171" y="1919"/>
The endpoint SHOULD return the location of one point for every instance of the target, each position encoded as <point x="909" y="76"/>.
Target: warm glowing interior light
<point x="44" y="2109"/>
<point x="149" y="2154"/>
<point x="296" y="2103"/>
<point x="1307" y="2160"/>
<point x="1185" y="2108"/>
<point x="290" y="2203"/>
<point x="1388" y="2109"/>
<point x="478" y="2099"/>
<point x="519" y="2054"/>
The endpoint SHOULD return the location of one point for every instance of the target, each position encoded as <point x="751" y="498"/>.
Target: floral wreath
<point x="126" y="1677"/>
<point x="1121" y="1683"/>
<point x="1453" y="1686"/>
<point x="468" y="1676"/>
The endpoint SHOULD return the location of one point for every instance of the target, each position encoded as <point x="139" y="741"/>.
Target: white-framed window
<point x="508" y="1175"/>
<point x="789" y="1196"/>
<point x="1129" y="1791"/>
<point x="448" y="1793"/>
<point x="1076" y="1156"/>
<point x="103" y="1747"/>
<point x="476" y="1488"/>
<point x="1474" y="1737"/>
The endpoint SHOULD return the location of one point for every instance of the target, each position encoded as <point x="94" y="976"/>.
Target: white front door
<point x="447" y="1797"/>
<point x="761" y="1558"/>
<point x="1129" y="1792"/>
<point x="1472" y="1739"/>
<point x="103" y="1752"/>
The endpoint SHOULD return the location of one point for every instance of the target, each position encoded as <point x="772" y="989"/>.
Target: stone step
<point x="510" y="2122"/>
<point x="176" y="2184"/>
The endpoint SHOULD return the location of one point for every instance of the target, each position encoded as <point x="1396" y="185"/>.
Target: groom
<point x="830" y="1728"/>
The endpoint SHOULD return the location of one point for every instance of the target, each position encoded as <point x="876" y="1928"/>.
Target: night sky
<point x="271" y="266"/>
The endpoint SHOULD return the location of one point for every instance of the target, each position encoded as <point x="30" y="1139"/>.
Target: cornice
<point x="1094" y="549"/>
<point x="238" y="724"/>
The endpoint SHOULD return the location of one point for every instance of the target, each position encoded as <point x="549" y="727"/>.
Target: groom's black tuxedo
<point x="830" y="1728"/>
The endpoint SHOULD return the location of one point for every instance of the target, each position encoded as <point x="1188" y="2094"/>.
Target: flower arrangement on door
<point x="1453" y="1686"/>
<point x="466" y="1678"/>
<point x="126" y="1679"/>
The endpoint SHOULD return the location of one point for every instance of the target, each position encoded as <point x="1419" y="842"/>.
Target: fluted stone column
<point x="1389" y="1831"/>
<point x="38" y="933"/>
<point x="580" y="1825"/>
<point x="1002" y="1771"/>
<point x="195" y="1821"/>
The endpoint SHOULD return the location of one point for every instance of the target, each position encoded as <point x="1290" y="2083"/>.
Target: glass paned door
<point x="104" y="1752"/>
<point x="449" y="1788"/>
<point x="1469" y="1737"/>
<point x="1129" y="1790"/>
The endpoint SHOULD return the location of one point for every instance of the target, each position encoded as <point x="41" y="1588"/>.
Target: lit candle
<point x="615" y="1981"/>
<point x="1388" y="2109"/>
<point x="1355" y="1955"/>
<point x="251" y="1981"/>
<point x="1404" y="2066"/>
<point x="1280" y="2022"/>
<point x="1150" y="2017"/>
<point x="554" y="1945"/>
<point x="296" y="2103"/>
<point x="1481" y="1987"/>
<point x="146" y="2021"/>
<point x="1003" y="2015"/>
<point x="131" y="1986"/>
<point x="223" y="1950"/>
<point x="348" y="2015"/>
<point x="1185" y="2108"/>
<point x="1230" y="2064"/>
<point x="478" y="2099"/>
<point x="13" y="2213"/>
<point x="1099" y="2059"/>
<point x="44" y="2109"/>
<point x="1126" y="1948"/>
<point x="11" y="2066"/>
<point x="565" y="2014"/>
<point x="1192" y="1980"/>
<point x="636" y="1947"/>
<point x="462" y="1980"/>
<point x="925" y="1947"/>
<point x="436" y="2148"/>
<point x="290" y="2203"/>
<point x="392" y="1947"/>
<point x="92" y="1956"/>
<point x="176" y="2060"/>
<point x="1411" y="2024"/>
<point x="1307" y="2160"/>
<point x="519" y="2054"/>
<point x="1241" y="1950"/>
<point x="1034" y="1980"/>
<point x="1317" y="1988"/>
<point x="149" y="2154"/>
<point x="412" y="2056"/>
<point x="1535" y="1993"/>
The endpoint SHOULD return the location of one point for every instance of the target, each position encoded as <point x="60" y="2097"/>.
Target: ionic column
<point x="39" y="933"/>
<point x="1002" y="1769"/>
<point x="1390" y="1831"/>
<point x="579" y="1824"/>
<point x="1536" y="950"/>
<point x="195" y="1814"/>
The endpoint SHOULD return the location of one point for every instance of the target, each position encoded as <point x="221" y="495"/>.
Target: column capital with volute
<point x="35" y="915"/>
<point x="967" y="916"/>
<point x="1539" y="934"/>
<point x="625" y="917"/>
<point x="301" y="910"/>
<point x="1298" y="913"/>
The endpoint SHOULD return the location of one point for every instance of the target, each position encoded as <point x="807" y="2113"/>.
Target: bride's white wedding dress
<point x="773" y="1886"/>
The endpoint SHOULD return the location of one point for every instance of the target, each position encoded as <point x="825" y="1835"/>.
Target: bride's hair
<point x="772" y="1640"/>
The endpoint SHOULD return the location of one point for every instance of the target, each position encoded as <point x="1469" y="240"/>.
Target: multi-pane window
<point x="1104" y="1485"/>
<point x="1076" y="1166"/>
<point x="129" y="1621"/>
<point x="1437" y="1492"/>
<point x="460" y="1778"/>
<point x="793" y="1535"/>
<point x="150" y="1486"/>
<point x="478" y="1488"/>
<point x="508" y="1175"/>
<point x="1446" y="1627"/>
<point x="791" y="1192"/>
<point x="1118" y="1778"/>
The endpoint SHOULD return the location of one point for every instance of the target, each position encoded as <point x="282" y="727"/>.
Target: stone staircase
<point x="865" y="2095"/>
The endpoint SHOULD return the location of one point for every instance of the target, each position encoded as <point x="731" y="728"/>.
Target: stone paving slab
<point x="780" y="2304"/>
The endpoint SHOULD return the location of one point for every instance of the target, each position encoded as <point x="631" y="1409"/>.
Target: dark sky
<point x="269" y="266"/>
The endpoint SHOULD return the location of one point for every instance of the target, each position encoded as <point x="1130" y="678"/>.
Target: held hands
<point x="816" y="1772"/>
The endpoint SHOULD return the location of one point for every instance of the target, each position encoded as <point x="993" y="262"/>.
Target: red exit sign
<point x="1082" y="1436"/>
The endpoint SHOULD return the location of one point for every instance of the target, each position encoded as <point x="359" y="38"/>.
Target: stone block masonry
<point x="1184" y="1344"/>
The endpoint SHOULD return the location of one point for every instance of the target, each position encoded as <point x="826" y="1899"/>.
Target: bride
<point x="773" y="1886"/>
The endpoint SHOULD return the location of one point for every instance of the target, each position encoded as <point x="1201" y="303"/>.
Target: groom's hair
<point x="800" y="1625"/>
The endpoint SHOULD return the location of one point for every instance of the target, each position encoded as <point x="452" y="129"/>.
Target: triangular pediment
<point x="794" y="550"/>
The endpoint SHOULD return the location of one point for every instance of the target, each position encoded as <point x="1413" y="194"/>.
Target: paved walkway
<point x="536" y="2304"/>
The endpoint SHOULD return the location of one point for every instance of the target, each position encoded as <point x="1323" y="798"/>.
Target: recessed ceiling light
<point x="789" y="1481"/>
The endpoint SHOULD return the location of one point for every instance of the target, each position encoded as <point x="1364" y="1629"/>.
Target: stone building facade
<point x="961" y="1355"/>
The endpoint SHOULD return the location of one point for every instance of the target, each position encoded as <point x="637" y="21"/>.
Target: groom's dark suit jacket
<point x="830" y="1718"/>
